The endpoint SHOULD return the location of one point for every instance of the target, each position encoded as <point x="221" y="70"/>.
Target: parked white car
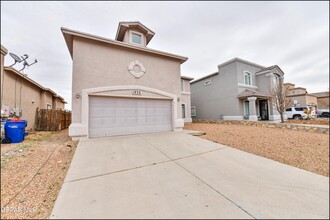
<point x="299" y="112"/>
<point x="323" y="113"/>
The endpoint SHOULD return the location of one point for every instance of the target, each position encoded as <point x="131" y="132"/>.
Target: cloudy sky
<point x="293" y="35"/>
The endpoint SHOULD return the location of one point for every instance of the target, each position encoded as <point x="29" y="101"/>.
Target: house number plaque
<point x="137" y="92"/>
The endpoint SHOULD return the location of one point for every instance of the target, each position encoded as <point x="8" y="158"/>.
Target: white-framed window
<point x="49" y="106"/>
<point x="183" y="106"/>
<point x="136" y="38"/>
<point x="246" y="108"/>
<point x="193" y="111"/>
<point x="247" y="78"/>
<point x="182" y="85"/>
<point x="207" y="82"/>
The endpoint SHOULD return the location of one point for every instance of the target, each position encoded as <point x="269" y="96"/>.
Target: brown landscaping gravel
<point x="308" y="151"/>
<point x="21" y="162"/>
<point x="316" y="121"/>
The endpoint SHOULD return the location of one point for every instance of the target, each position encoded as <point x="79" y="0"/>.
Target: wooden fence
<point x="52" y="120"/>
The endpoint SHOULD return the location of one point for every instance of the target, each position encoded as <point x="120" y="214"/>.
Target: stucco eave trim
<point x="240" y="60"/>
<point x="11" y="69"/>
<point x="204" y="77"/>
<point x="186" y="93"/>
<point x="187" y="78"/>
<point x="4" y="50"/>
<point x="68" y="32"/>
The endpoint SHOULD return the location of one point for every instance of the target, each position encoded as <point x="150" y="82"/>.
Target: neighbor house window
<point x="193" y="111"/>
<point x="183" y="106"/>
<point x="182" y="85"/>
<point x="136" y="38"/>
<point x="246" y="108"/>
<point x="49" y="106"/>
<point x="247" y="78"/>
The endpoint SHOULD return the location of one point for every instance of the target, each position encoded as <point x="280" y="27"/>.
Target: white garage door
<point x="118" y="116"/>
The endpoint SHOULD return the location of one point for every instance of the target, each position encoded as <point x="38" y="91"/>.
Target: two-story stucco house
<point x="300" y="96"/>
<point x="123" y="87"/>
<point x="238" y="90"/>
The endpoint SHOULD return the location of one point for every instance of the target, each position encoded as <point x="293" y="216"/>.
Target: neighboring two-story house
<point x="300" y="96"/>
<point x="238" y="90"/>
<point x="323" y="99"/>
<point x="123" y="87"/>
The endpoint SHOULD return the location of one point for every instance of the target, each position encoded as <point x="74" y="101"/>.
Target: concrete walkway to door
<point x="176" y="175"/>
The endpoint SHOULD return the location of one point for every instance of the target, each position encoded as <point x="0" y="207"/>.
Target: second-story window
<point x="182" y="85"/>
<point x="247" y="78"/>
<point x="136" y="38"/>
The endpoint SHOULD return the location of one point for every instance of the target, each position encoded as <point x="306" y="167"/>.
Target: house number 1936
<point x="136" y="92"/>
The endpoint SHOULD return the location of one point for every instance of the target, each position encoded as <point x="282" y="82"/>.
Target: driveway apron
<point x="177" y="175"/>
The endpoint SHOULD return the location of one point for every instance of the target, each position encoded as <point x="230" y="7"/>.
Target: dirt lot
<point x="308" y="151"/>
<point x="316" y="121"/>
<point x="32" y="173"/>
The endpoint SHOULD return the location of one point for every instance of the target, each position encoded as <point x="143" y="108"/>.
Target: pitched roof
<point x="11" y="69"/>
<point x="236" y="59"/>
<point x="250" y="93"/>
<point x="204" y="77"/>
<point x="242" y="61"/>
<point x="269" y="68"/>
<point x="187" y="78"/>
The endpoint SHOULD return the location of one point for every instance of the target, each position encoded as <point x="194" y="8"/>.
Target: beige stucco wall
<point x="323" y="102"/>
<point x="46" y="98"/>
<point x="29" y="93"/>
<point x="20" y="93"/>
<point x="311" y="100"/>
<point x="303" y="100"/>
<point x="297" y="91"/>
<point x="97" y="64"/>
<point x="4" y="51"/>
<point x="59" y="104"/>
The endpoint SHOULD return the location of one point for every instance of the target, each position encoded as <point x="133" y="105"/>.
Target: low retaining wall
<point x="306" y="128"/>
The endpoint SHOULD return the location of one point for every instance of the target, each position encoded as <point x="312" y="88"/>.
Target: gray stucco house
<point x="238" y="90"/>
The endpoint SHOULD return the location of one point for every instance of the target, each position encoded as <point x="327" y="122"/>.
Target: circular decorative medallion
<point x="136" y="69"/>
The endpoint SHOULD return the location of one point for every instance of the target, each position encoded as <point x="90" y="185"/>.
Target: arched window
<point x="247" y="78"/>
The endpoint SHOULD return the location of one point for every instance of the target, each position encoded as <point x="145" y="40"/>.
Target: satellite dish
<point x="16" y="58"/>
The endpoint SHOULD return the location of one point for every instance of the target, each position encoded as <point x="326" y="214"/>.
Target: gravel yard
<point x="308" y="151"/>
<point x="315" y="121"/>
<point x="32" y="173"/>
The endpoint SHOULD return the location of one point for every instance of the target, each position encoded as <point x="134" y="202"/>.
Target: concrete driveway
<point x="176" y="175"/>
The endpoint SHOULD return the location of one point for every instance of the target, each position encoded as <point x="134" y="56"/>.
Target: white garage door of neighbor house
<point x="110" y="116"/>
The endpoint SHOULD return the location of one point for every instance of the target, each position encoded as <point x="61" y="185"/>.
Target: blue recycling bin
<point x="15" y="130"/>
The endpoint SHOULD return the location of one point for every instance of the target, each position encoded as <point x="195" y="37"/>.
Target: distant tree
<point x="279" y="97"/>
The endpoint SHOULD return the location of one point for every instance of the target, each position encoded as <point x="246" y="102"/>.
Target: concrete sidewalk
<point x="176" y="175"/>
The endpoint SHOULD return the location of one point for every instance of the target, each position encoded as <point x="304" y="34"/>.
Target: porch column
<point x="252" y="106"/>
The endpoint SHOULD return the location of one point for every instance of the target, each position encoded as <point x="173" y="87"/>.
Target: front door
<point x="263" y="104"/>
